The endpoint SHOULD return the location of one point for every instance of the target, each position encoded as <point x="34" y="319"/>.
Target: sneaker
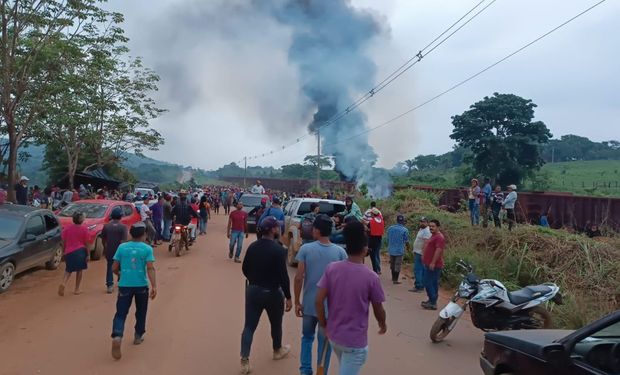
<point x="116" y="348"/>
<point x="110" y="289"/>
<point x="138" y="339"/>
<point x="396" y="282"/>
<point x="428" y="306"/>
<point x="230" y="254"/>
<point x="237" y="260"/>
<point x="281" y="353"/>
<point x="245" y="366"/>
<point x="416" y="290"/>
<point x="424" y="303"/>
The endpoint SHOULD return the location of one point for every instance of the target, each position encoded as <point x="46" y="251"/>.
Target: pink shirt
<point x="75" y="237"/>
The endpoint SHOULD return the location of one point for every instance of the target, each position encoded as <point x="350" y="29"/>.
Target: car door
<point x="32" y="242"/>
<point x="52" y="237"/>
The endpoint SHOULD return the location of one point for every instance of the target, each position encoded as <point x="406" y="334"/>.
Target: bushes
<point x="587" y="271"/>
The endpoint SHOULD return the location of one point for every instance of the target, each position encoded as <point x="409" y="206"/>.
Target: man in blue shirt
<point x="313" y="259"/>
<point x="134" y="263"/>
<point x="398" y="242"/>
<point x="276" y="211"/>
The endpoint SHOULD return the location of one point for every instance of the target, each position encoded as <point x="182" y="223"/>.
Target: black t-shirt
<point x="114" y="233"/>
<point x="265" y="265"/>
<point x="21" y="194"/>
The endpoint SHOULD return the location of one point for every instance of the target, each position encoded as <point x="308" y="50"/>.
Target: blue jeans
<point x="418" y="271"/>
<point x="258" y="299"/>
<point x="202" y="225"/>
<point x="123" y="303"/>
<point x="431" y="283"/>
<point x="166" y="231"/>
<point x="236" y="237"/>
<point x="351" y="359"/>
<point x="109" y="275"/>
<point x="474" y="211"/>
<point x="307" y="340"/>
<point x="374" y="245"/>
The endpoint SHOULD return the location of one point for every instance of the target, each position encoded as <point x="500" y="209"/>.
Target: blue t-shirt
<point x="316" y="256"/>
<point x="133" y="257"/>
<point x="398" y="236"/>
<point x="275" y="212"/>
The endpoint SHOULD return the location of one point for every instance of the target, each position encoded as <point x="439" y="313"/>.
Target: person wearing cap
<point x="473" y="194"/>
<point x="398" y="243"/>
<point x="113" y="235"/>
<point x="313" y="258"/>
<point x="76" y="249"/>
<point x="134" y="263"/>
<point x="376" y="226"/>
<point x="258" y="188"/>
<point x="509" y="204"/>
<point x="21" y="191"/>
<point x="424" y="234"/>
<point x="268" y="288"/>
<point x="275" y="210"/>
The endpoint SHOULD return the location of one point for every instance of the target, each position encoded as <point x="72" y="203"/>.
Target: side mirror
<point x="556" y="355"/>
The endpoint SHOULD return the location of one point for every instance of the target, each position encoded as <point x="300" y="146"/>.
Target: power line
<point x="461" y="83"/>
<point x="407" y="65"/>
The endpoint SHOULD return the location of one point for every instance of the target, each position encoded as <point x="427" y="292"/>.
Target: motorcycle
<point x="179" y="239"/>
<point x="494" y="308"/>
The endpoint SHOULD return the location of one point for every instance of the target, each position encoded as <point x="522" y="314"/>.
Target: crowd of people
<point x="486" y="203"/>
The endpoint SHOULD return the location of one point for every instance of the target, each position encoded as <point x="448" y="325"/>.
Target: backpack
<point x="307" y="226"/>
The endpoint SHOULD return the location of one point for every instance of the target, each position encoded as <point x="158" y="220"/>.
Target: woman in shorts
<point x="74" y="239"/>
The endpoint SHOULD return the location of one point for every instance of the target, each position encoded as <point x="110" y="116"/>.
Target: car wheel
<point x="97" y="250"/>
<point x="53" y="263"/>
<point x="7" y="275"/>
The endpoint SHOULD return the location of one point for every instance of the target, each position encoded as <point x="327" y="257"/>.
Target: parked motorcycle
<point x="180" y="239"/>
<point x="493" y="307"/>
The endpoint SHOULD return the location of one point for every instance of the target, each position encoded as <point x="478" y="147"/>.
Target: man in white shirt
<point x="145" y="215"/>
<point x="258" y="188"/>
<point x="424" y="234"/>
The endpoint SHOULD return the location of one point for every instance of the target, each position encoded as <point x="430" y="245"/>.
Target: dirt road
<point x="195" y="323"/>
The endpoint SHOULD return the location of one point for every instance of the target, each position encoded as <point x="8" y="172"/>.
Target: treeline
<point x="307" y="170"/>
<point x="69" y="84"/>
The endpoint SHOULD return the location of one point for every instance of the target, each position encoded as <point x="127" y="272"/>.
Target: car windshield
<point x="90" y="210"/>
<point x="9" y="227"/>
<point x="610" y="332"/>
<point x="326" y="208"/>
<point x="251" y="200"/>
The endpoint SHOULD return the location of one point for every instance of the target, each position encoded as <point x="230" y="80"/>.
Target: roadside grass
<point x="587" y="271"/>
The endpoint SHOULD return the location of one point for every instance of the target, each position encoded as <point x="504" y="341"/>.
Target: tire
<point x="178" y="247"/>
<point x="54" y="263"/>
<point x="441" y="329"/>
<point x="7" y="275"/>
<point x="541" y="316"/>
<point x="97" y="252"/>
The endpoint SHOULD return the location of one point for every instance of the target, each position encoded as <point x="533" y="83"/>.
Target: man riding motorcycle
<point x="182" y="214"/>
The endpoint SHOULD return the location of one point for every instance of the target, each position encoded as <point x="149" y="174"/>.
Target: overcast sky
<point x="231" y="91"/>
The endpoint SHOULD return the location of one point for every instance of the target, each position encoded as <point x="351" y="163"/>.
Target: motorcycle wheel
<point x="441" y="329"/>
<point x="178" y="246"/>
<point x="540" y="317"/>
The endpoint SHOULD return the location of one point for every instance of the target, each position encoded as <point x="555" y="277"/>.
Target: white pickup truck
<point x="293" y="214"/>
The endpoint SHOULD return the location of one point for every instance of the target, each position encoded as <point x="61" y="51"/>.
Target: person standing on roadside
<point x="375" y="239"/>
<point x="473" y="195"/>
<point x="268" y="286"/>
<point x="497" y="201"/>
<point x="113" y="235"/>
<point x="157" y="216"/>
<point x="509" y="204"/>
<point x="349" y="288"/>
<point x="487" y="190"/>
<point x="21" y="191"/>
<point x="75" y="243"/>
<point x="134" y="263"/>
<point x="313" y="258"/>
<point x="237" y="229"/>
<point x="204" y="211"/>
<point x="433" y="264"/>
<point x="145" y="215"/>
<point x="424" y="234"/>
<point x="398" y="243"/>
<point x="167" y="213"/>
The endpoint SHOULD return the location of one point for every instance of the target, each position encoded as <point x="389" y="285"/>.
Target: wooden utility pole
<point x="318" y="160"/>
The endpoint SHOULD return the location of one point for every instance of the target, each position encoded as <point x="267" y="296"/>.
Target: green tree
<point x="294" y="170"/>
<point x="504" y="140"/>
<point x="410" y="165"/>
<point x="324" y="161"/>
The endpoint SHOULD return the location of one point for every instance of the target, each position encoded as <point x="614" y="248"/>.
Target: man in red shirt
<point x="433" y="264"/>
<point x="237" y="228"/>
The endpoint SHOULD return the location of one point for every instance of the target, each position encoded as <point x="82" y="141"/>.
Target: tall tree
<point x="324" y="161"/>
<point x="502" y="136"/>
<point x="410" y="165"/>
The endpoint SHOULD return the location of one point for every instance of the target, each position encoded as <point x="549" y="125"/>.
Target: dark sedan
<point x="594" y="349"/>
<point x="29" y="237"/>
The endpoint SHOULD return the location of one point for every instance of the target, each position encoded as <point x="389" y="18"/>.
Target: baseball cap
<point x="400" y="219"/>
<point x="513" y="187"/>
<point x="268" y="223"/>
<point x="24" y="178"/>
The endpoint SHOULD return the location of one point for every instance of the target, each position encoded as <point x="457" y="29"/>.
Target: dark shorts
<point x="76" y="261"/>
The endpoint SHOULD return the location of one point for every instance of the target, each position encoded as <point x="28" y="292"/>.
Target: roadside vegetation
<point x="587" y="270"/>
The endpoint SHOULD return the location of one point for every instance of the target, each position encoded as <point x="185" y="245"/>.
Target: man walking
<point x="167" y="212"/>
<point x="433" y="264"/>
<point x="145" y="215"/>
<point x="268" y="285"/>
<point x="113" y="235"/>
<point x="237" y="229"/>
<point x="375" y="239"/>
<point x="349" y="288"/>
<point x="398" y="242"/>
<point x="424" y="234"/>
<point x="134" y="263"/>
<point x="313" y="258"/>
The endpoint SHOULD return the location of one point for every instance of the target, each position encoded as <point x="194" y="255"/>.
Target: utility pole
<point x="245" y="170"/>
<point x="318" y="160"/>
